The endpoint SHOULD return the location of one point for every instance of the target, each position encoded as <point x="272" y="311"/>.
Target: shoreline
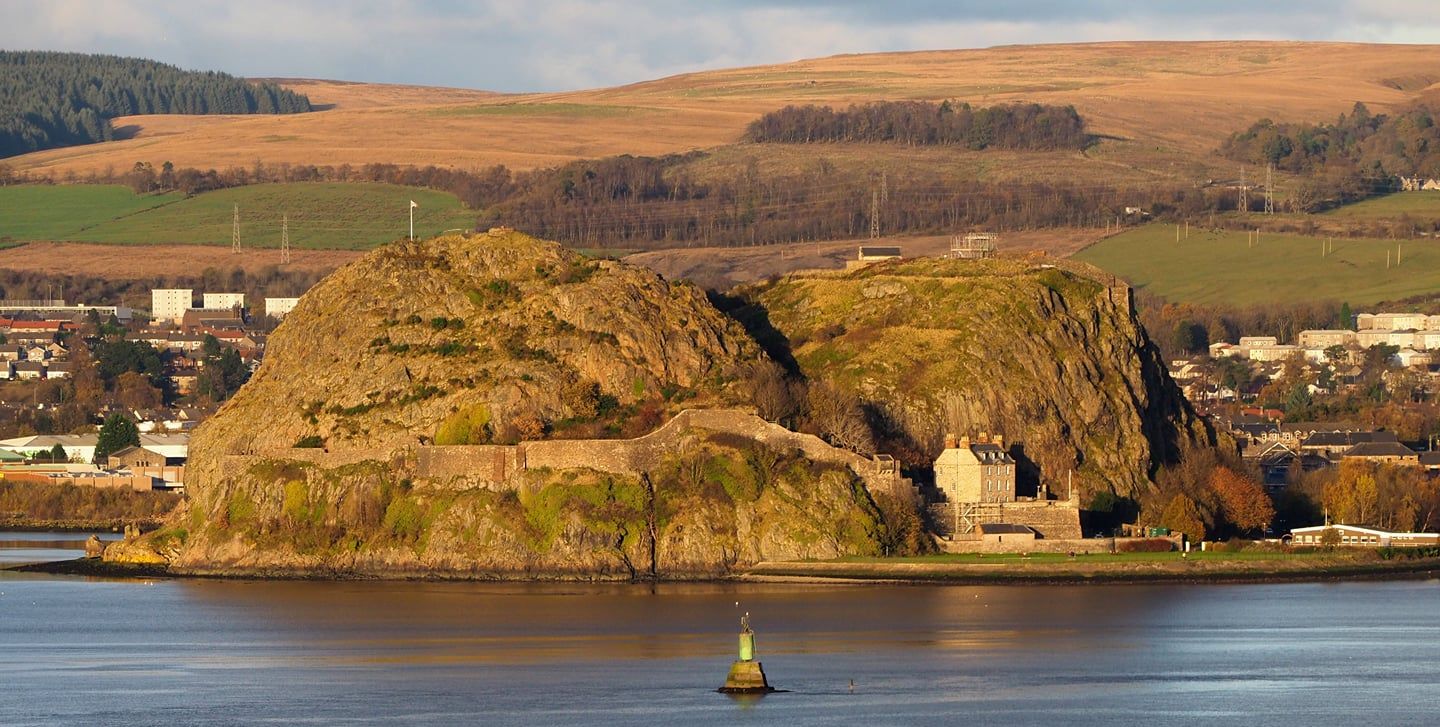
<point x="27" y="525"/>
<point x="838" y="573"/>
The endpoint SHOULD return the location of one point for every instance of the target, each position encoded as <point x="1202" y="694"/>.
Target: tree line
<point x="925" y="123"/>
<point x="50" y="99"/>
<point x="1358" y="155"/>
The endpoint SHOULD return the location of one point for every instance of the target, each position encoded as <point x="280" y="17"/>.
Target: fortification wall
<point x="499" y="467"/>
<point x="1052" y="519"/>
<point x="488" y="463"/>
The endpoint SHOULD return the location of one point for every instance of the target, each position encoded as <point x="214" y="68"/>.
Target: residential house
<point x="1332" y="444"/>
<point x="978" y="471"/>
<point x="197" y="319"/>
<point x="1409" y="357"/>
<point x="1373" y="337"/>
<point x="1390" y="321"/>
<point x="11" y="352"/>
<point x="58" y="370"/>
<point x="1383" y="453"/>
<point x="37" y="353"/>
<point x="28" y="369"/>
<point x="1325" y="338"/>
<point x="1276" y="352"/>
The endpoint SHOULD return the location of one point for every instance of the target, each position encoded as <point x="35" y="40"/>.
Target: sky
<point x="551" y="45"/>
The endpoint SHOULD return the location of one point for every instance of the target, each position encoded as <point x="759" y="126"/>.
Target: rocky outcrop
<point x="486" y="340"/>
<point x="1049" y="357"/>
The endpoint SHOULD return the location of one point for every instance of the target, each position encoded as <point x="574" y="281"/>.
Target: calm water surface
<point x="103" y="652"/>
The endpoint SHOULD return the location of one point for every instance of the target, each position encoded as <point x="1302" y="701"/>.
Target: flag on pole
<point x="413" y="204"/>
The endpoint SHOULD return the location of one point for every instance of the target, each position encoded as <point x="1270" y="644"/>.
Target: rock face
<point x="490" y="339"/>
<point x="1045" y="356"/>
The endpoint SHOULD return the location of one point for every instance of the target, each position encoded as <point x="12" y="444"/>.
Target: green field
<point x="1218" y="267"/>
<point x="1424" y="205"/>
<point x="42" y="212"/>
<point x="341" y="216"/>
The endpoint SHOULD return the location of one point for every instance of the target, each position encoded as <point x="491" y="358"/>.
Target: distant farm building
<point x="870" y="254"/>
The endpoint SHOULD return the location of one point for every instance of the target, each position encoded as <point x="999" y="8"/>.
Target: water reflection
<point x="197" y="652"/>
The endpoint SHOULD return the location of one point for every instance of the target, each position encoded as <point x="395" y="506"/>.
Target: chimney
<point x="984" y="437"/>
<point x="999" y="441"/>
<point x="965" y="442"/>
<point x="950" y="441"/>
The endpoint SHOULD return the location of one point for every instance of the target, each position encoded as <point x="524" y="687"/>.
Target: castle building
<point x="978" y="471"/>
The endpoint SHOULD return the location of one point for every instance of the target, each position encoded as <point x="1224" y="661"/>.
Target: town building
<point x="278" y="308"/>
<point x="196" y="319"/>
<point x="1325" y="338"/>
<point x="1335" y="443"/>
<point x="222" y="301"/>
<point x="81" y="447"/>
<point x="170" y="304"/>
<point x="1355" y="536"/>
<point x="978" y="471"/>
<point x="1383" y="453"/>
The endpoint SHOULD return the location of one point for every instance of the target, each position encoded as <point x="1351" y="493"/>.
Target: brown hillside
<point x="1164" y="103"/>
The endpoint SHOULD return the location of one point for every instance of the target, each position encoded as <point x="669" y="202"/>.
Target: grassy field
<point x="39" y="212"/>
<point x="1422" y="205"/>
<point x="1221" y="268"/>
<point x="332" y="216"/>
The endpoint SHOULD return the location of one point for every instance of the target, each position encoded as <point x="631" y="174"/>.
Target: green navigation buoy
<point x="746" y="676"/>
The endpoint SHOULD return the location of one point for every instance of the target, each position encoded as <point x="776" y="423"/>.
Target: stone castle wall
<point x="499" y="467"/>
<point x="1052" y="519"/>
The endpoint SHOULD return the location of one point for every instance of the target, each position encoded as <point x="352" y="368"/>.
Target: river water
<point x="88" y="651"/>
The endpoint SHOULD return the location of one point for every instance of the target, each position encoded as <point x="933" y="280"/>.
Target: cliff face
<point x="486" y="340"/>
<point x="1046" y="357"/>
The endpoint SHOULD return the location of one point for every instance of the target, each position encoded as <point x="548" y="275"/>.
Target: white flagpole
<point x="412" y="221"/>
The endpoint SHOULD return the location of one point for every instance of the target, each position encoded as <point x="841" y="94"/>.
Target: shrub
<point x="466" y="426"/>
<point x="309" y="441"/>
<point x="1144" y="545"/>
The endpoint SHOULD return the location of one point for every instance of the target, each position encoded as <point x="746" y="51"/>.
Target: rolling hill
<point x="1160" y="108"/>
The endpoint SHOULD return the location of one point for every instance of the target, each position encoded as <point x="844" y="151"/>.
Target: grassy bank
<point x="1243" y="566"/>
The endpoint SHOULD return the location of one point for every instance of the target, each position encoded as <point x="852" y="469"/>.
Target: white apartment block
<point x="278" y="307"/>
<point x="170" y="304"/>
<point x="224" y="301"/>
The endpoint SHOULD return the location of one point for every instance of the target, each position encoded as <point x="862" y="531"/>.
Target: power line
<point x="284" y="239"/>
<point x="1269" y="190"/>
<point x="1244" y="203"/>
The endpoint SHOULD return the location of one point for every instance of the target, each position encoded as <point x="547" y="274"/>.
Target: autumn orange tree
<point x="1243" y="502"/>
